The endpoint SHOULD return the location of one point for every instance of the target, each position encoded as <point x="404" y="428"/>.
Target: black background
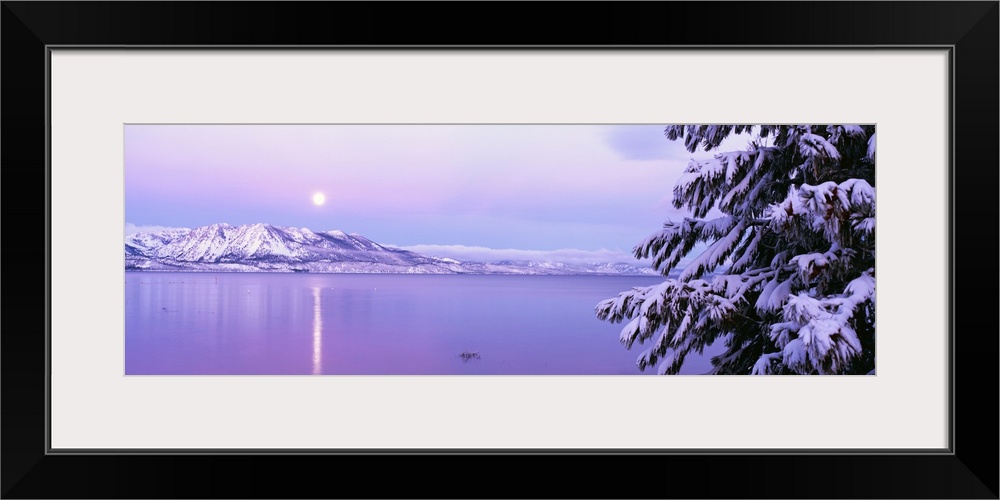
<point x="971" y="472"/>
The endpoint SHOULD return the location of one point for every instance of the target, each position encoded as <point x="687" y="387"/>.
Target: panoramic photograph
<point x="603" y="249"/>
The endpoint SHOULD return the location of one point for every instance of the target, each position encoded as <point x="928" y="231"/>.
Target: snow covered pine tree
<point x="787" y="281"/>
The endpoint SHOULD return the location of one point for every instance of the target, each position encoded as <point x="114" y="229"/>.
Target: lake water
<point x="366" y="324"/>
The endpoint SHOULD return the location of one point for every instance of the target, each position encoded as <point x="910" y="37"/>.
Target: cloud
<point x="643" y="142"/>
<point x="132" y="228"/>
<point x="485" y="254"/>
<point x="647" y="142"/>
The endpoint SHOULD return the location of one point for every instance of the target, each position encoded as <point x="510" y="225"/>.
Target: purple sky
<point x="526" y="187"/>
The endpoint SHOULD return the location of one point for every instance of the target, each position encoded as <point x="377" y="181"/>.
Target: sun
<point x="319" y="199"/>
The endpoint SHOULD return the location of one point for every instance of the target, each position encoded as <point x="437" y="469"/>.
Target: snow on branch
<point x="715" y="254"/>
<point x="825" y="206"/>
<point x="861" y="193"/>
<point x="747" y="252"/>
<point x="669" y="245"/>
<point x="817" y="336"/>
<point x="723" y="180"/>
<point x="812" y="145"/>
<point x="624" y="306"/>
<point x="707" y="136"/>
<point x="774" y="293"/>
<point x="668" y="312"/>
<point x="839" y="131"/>
<point x="765" y="365"/>
<point x="812" y="265"/>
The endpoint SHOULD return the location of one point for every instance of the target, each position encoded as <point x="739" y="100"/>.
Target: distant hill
<point x="263" y="247"/>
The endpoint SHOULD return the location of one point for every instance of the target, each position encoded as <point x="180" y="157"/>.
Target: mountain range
<point x="267" y="248"/>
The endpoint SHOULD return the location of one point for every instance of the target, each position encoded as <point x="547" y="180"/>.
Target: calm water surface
<point x="325" y="324"/>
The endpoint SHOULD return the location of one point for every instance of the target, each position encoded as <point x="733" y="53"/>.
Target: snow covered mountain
<point x="263" y="247"/>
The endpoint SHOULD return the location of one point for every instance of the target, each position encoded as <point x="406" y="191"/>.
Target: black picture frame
<point x="968" y="470"/>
